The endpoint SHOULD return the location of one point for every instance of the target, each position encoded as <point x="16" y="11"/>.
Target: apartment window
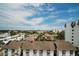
<point x="48" y="52"/>
<point x="6" y="52"/>
<point x="72" y="39"/>
<point x="71" y="52"/>
<point x="72" y="30"/>
<point x="73" y="24"/>
<point x="72" y="42"/>
<point x="27" y="52"/>
<point x="34" y="52"/>
<point x="63" y="52"/>
<point x="72" y="36"/>
<point x="72" y="33"/>
<point x="40" y="52"/>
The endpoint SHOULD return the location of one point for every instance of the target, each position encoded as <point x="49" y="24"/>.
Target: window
<point x="72" y="39"/>
<point x="72" y="42"/>
<point x="72" y="33"/>
<point x="72" y="30"/>
<point x="71" y="52"/>
<point x="34" y="52"/>
<point x="40" y="52"/>
<point x="13" y="52"/>
<point x="27" y="52"/>
<point x="63" y="52"/>
<point x="73" y="24"/>
<point x="48" y="52"/>
<point x="72" y="36"/>
<point x="6" y="52"/>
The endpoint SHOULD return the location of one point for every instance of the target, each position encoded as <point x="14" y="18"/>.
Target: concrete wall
<point x="68" y="34"/>
<point x="30" y="53"/>
<point x="67" y="53"/>
<point x="37" y="54"/>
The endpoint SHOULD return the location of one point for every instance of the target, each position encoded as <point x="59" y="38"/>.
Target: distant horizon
<point x="37" y="16"/>
<point x="26" y="30"/>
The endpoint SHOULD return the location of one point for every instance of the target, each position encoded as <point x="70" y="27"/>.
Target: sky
<point x="37" y="16"/>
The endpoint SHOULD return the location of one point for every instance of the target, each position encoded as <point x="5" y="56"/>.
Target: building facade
<point x="72" y="32"/>
<point x="38" y="48"/>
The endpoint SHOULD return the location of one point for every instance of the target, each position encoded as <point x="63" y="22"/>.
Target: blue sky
<point x="40" y="16"/>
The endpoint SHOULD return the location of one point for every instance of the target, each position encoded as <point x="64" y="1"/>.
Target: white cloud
<point x="70" y="10"/>
<point x="46" y="27"/>
<point x="17" y="16"/>
<point x="36" y="4"/>
<point x="60" y="21"/>
<point x="36" y="21"/>
<point x="73" y="10"/>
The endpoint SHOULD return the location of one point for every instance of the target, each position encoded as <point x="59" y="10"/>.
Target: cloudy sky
<point x="37" y="16"/>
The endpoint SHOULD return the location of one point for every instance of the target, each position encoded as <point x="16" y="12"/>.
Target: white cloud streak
<point x="17" y="16"/>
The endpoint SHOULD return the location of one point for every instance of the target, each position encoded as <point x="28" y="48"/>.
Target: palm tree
<point x="61" y="35"/>
<point x="42" y="37"/>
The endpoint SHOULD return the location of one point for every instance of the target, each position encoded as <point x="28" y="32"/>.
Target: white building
<point x="72" y="32"/>
<point x="38" y="48"/>
<point x="18" y="37"/>
<point x="3" y="35"/>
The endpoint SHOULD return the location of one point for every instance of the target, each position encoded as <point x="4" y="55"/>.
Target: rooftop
<point x="45" y="45"/>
